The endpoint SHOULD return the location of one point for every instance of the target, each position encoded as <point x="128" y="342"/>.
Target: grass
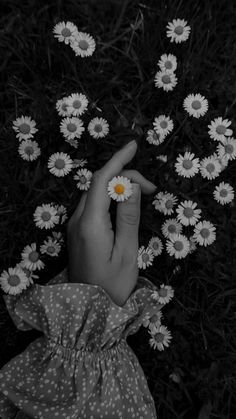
<point x="37" y="71"/>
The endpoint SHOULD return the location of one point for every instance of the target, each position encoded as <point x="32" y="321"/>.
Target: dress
<point x="81" y="367"/>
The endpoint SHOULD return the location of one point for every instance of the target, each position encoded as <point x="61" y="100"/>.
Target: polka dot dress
<point x="81" y="367"/>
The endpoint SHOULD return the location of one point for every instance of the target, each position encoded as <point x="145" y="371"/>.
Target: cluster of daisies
<point x="82" y="43"/>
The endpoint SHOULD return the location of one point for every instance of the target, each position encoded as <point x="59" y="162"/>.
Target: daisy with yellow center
<point x="83" y="45"/>
<point x="29" y="150"/>
<point x="156" y="245"/>
<point x="167" y="62"/>
<point x="60" y="164"/>
<point x="51" y="247"/>
<point x="165" y="202"/>
<point x="14" y="281"/>
<point x="227" y="150"/>
<point x="154" y="138"/>
<point x="145" y="257"/>
<point x="170" y="227"/>
<point x="79" y="163"/>
<point x="163" y="125"/>
<point x="83" y="176"/>
<point x="45" y="216"/>
<point x="195" y="105"/>
<point x="166" y="80"/>
<point x="178" y="31"/>
<point x="204" y="233"/>
<point x="65" y="32"/>
<point x="187" y="213"/>
<point x="25" y="127"/>
<point x="186" y="165"/>
<point x="72" y="127"/>
<point x="161" y="337"/>
<point x="152" y="320"/>
<point x="163" y="295"/>
<point x="224" y="193"/>
<point x="30" y="258"/>
<point x="77" y="104"/>
<point x="178" y="246"/>
<point x="98" y="127"/>
<point x="219" y="129"/>
<point x="162" y="157"/>
<point x="62" y="107"/>
<point x="210" y="167"/>
<point x="119" y="188"/>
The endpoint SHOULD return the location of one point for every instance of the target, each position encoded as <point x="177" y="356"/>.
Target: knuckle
<point x="128" y="218"/>
<point x="97" y="175"/>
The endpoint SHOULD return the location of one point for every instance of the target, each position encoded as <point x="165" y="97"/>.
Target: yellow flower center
<point x="66" y="32"/>
<point x="33" y="256"/>
<point x="145" y="257"/>
<point x="51" y="249"/>
<point x="155" y="245"/>
<point x="83" y="44"/>
<point x="71" y="127"/>
<point x="64" y="107"/>
<point x="154" y="318"/>
<point x="162" y="292"/>
<point x="46" y="216"/>
<point x="168" y="65"/>
<point x="159" y="337"/>
<point x="169" y="204"/>
<point x="220" y="129"/>
<point x="223" y="193"/>
<point x="119" y="189"/>
<point x="166" y="79"/>
<point x="13" y="280"/>
<point x="187" y="164"/>
<point x="178" y="245"/>
<point x="29" y="150"/>
<point x="205" y="233"/>
<point x="188" y="212"/>
<point x="98" y="128"/>
<point x="59" y="163"/>
<point x="24" y="128"/>
<point x="229" y="148"/>
<point x="196" y="104"/>
<point x="179" y="30"/>
<point x="82" y="179"/>
<point x="172" y="228"/>
<point x="210" y="167"/>
<point x="163" y="124"/>
<point x="77" y="104"/>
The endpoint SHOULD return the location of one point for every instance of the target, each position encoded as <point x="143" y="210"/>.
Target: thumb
<point x="127" y="222"/>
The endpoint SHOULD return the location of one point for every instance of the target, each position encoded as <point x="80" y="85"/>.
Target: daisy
<point x="30" y="274"/>
<point x="178" y="30"/>
<point x="195" y="105"/>
<point x="98" y="127"/>
<point x="156" y="245"/>
<point x="186" y="165"/>
<point x="14" y="281"/>
<point x="170" y="227"/>
<point x="119" y="188"/>
<point x="178" y="246"/>
<point x="167" y="62"/>
<point x="61" y="211"/>
<point x="24" y="127"/>
<point x="162" y="157"/>
<point x="50" y="247"/>
<point x="154" y="138"/>
<point x="160" y="338"/>
<point x="223" y="193"/>
<point x="30" y="258"/>
<point x="164" y="294"/>
<point x="84" y="179"/>
<point x="73" y="142"/>
<point x="77" y="104"/>
<point x="163" y="125"/>
<point x="193" y="245"/>
<point x="152" y="320"/>
<point x="62" y="107"/>
<point x="83" y="44"/>
<point x="227" y="150"/>
<point x="29" y="150"/>
<point x="57" y="236"/>
<point x="224" y="161"/>
<point x="165" y="79"/>
<point x="145" y="257"/>
<point x="45" y="216"/>
<point x="60" y="164"/>
<point x="72" y="127"/>
<point x="65" y="32"/>
<point x="187" y="213"/>
<point x="210" y="167"/>
<point x="79" y="163"/>
<point x="218" y="129"/>
<point x="204" y="233"/>
<point x="165" y="202"/>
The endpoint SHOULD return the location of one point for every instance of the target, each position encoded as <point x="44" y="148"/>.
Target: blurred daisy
<point x="83" y="44"/>
<point x="145" y="257"/>
<point x="227" y="149"/>
<point x="62" y="107"/>
<point x="30" y="274"/>
<point x="14" y="281"/>
<point x="73" y="142"/>
<point x="65" y="32"/>
<point x="170" y="227"/>
<point x="30" y="258"/>
<point x="72" y="127"/>
<point x="163" y="125"/>
<point x="204" y="233"/>
<point x="163" y="295"/>
<point x="60" y="164"/>
<point x="83" y="176"/>
<point x="186" y="165"/>
<point x="98" y="127"/>
<point x="178" y="246"/>
<point x="79" y="163"/>
<point x="192" y="243"/>
<point x="58" y="236"/>
<point x="77" y="104"/>
<point x="24" y="127"/>
<point x="210" y="167"/>
<point x="61" y="211"/>
<point x="29" y="150"/>
<point x="196" y="105"/>
<point x="224" y="161"/>
<point x="156" y="245"/>
<point x="119" y="188"/>
<point x="165" y="79"/>
<point x="162" y="157"/>
<point x="152" y="320"/>
<point x="167" y="62"/>
<point x="218" y="129"/>
<point x="187" y="213"/>
<point x="178" y="30"/>
<point x="154" y="138"/>
<point x="161" y="337"/>
<point x="165" y="202"/>
<point x="50" y="247"/>
<point x="45" y="216"/>
<point x="223" y="193"/>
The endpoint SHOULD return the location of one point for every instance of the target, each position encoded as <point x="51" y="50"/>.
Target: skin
<point x="96" y="255"/>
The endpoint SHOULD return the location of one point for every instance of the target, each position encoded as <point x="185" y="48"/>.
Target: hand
<point x="96" y="256"/>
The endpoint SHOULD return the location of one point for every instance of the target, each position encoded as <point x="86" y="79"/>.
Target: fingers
<point x="147" y="187"/>
<point x="80" y="208"/>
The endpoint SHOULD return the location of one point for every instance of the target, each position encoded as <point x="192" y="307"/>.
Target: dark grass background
<point x="37" y="70"/>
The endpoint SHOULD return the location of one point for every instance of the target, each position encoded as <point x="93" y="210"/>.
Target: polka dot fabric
<point x="81" y="367"/>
